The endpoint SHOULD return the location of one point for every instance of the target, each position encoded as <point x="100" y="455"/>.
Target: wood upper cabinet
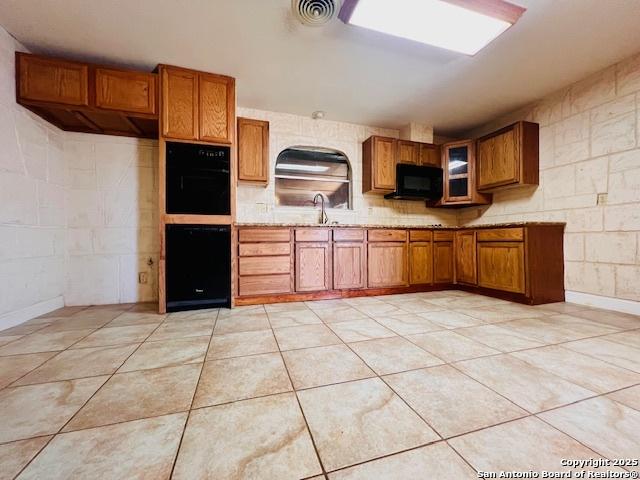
<point x="313" y="266"/>
<point x="216" y="108"/>
<point x="253" y="150"/>
<point x="443" y="261"/>
<point x="50" y="80"/>
<point x="420" y="263"/>
<point x="349" y="265"/>
<point x="509" y="157"/>
<point x="379" y="165"/>
<point x="501" y="266"/>
<point x="408" y="152"/>
<point x="465" y="255"/>
<point x="126" y="90"/>
<point x="459" y="176"/>
<point x="430" y="155"/>
<point x="197" y="105"/>
<point x="387" y="264"/>
<point x="179" y="115"/>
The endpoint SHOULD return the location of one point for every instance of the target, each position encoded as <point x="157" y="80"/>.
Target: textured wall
<point x="257" y="204"/>
<point x="589" y="145"/>
<point x="112" y="219"/>
<point x="32" y="198"/>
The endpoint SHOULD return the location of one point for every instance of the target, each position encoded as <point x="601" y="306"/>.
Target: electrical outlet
<point x="143" y="278"/>
<point x="602" y="199"/>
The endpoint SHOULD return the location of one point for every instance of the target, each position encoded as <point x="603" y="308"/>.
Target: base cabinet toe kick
<point x="521" y="262"/>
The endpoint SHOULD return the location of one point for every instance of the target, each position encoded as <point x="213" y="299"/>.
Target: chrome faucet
<point x="323" y="214"/>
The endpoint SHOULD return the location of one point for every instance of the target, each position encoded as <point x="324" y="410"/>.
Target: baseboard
<point x="16" y="317"/>
<point x="608" y="303"/>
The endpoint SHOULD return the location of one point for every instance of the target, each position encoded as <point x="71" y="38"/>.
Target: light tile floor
<point x="428" y="386"/>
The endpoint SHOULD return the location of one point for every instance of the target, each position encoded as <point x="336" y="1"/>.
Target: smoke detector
<point x="314" y="13"/>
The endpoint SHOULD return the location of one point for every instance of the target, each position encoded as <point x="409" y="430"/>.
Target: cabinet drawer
<point x="264" y="265"/>
<point x="501" y="234"/>
<point x="387" y="235"/>
<point x="263" y="235"/>
<point x="420" y="235"/>
<point x="348" y="235"/>
<point x="446" y="236"/>
<point x="261" y="249"/>
<point x="264" y="284"/>
<point x="312" y="235"/>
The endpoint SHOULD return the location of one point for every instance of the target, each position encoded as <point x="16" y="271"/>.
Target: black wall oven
<point x="198" y="179"/>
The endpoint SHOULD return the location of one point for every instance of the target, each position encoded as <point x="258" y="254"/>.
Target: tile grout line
<point x="195" y="390"/>
<point x="295" y="393"/>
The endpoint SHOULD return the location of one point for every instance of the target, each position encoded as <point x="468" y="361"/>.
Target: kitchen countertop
<point x="353" y="225"/>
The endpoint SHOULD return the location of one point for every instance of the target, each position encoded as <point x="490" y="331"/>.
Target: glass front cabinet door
<point x="458" y="163"/>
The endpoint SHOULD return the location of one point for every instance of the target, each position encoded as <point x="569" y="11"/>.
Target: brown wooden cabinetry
<point x="50" y="80"/>
<point x="508" y="157"/>
<point x="197" y="105"/>
<point x="420" y="263"/>
<point x="349" y="265"/>
<point x="458" y="163"/>
<point x="501" y="266"/>
<point x="408" y="152"/>
<point x="430" y="155"/>
<point x="84" y="97"/>
<point x="521" y="262"/>
<point x="253" y="151"/>
<point x="379" y="165"/>
<point x="465" y="255"/>
<point x="313" y="266"/>
<point x="126" y="91"/>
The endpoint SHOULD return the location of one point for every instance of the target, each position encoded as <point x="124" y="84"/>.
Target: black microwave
<point x="416" y="182"/>
<point x="198" y="179"/>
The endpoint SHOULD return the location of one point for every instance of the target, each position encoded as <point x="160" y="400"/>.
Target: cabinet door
<point x="126" y="91"/>
<point x="50" y="80"/>
<point x="408" y="152"/>
<point x="349" y="265"/>
<point x="466" y="257"/>
<point x="501" y="266"/>
<point x="313" y="267"/>
<point x="387" y="264"/>
<point x="253" y="150"/>
<point x="498" y="159"/>
<point x="443" y="262"/>
<point x="179" y="103"/>
<point x="430" y="154"/>
<point x="384" y="163"/>
<point x="216" y="108"/>
<point x="420" y="263"/>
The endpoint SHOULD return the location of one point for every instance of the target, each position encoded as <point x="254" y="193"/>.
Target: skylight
<point x="464" y="26"/>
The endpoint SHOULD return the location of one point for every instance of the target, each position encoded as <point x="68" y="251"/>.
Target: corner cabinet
<point x="443" y="257"/>
<point x="509" y="157"/>
<point x="196" y="105"/>
<point x="459" y="177"/>
<point x="465" y="253"/>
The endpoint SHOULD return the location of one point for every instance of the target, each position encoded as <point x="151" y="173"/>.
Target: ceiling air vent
<point x="314" y="12"/>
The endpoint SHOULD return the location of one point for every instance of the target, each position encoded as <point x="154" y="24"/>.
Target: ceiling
<point x="353" y="74"/>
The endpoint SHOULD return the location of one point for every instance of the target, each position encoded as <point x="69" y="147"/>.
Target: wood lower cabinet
<point x="349" y="265"/>
<point x="508" y="157"/>
<point x="501" y="266"/>
<point x="253" y="151"/>
<point x="387" y="264"/>
<point x="443" y="261"/>
<point x="523" y="263"/>
<point x="313" y="266"/>
<point x="465" y="255"/>
<point x="420" y="263"/>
